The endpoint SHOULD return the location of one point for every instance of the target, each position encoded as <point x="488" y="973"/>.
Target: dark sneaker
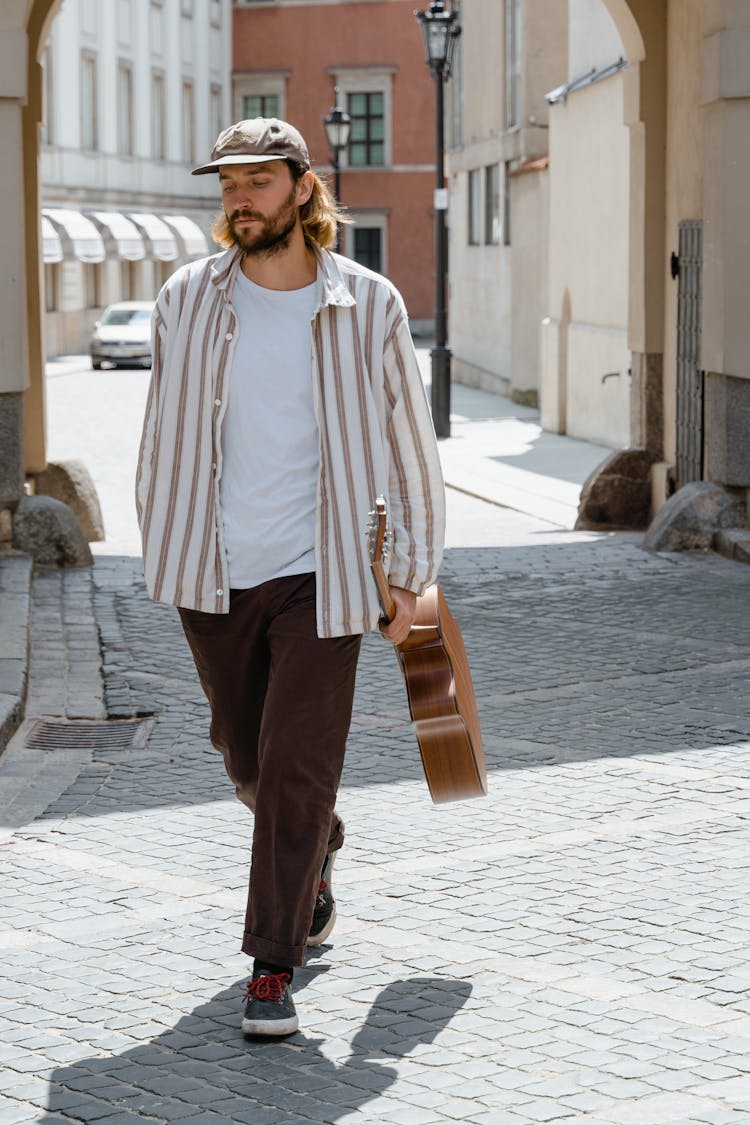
<point x="324" y="915"/>
<point x="269" y="1008"/>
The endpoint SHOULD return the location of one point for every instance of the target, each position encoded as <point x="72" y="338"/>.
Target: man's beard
<point x="272" y="232"/>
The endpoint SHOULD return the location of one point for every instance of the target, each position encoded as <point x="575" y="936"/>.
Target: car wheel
<point x="96" y="364"/>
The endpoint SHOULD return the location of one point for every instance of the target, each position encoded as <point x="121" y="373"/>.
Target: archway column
<point x="645" y="115"/>
<point x="35" y="428"/>
<point x="14" y="361"/>
<point x="725" y="355"/>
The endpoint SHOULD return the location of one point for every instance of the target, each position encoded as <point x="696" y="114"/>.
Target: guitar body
<point x="442" y="703"/>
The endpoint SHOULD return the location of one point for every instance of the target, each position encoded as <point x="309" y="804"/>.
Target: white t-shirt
<point x="270" y="447"/>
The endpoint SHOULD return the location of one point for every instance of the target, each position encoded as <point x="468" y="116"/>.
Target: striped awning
<point x="161" y="243"/>
<point x="192" y="237"/>
<point x="51" y="245"/>
<point x="79" y="237"/>
<point x="121" y="234"/>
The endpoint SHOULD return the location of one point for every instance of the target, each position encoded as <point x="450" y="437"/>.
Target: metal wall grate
<point x="46" y="734"/>
<point x="689" y="460"/>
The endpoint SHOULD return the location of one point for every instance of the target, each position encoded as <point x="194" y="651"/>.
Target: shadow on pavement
<point x="204" y="1063"/>
<point x="578" y="650"/>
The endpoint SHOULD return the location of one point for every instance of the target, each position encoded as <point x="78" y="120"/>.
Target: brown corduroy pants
<point x="281" y="703"/>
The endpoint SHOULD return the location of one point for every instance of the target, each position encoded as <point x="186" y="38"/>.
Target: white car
<point x="123" y="335"/>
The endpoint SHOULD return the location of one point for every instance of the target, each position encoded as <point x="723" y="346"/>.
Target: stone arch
<point x="629" y="29"/>
<point x="642" y="25"/>
<point x="40" y="16"/>
<point x="23" y="30"/>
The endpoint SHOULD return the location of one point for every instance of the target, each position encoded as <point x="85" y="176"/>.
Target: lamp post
<point x="338" y="125"/>
<point x="440" y="31"/>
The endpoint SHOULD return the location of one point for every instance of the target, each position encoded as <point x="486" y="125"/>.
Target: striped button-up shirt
<point x="376" y="437"/>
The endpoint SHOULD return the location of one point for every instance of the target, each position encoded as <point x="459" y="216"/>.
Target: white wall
<point x="148" y="36"/>
<point x="593" y="41"/>
<point x="585" y="332"/>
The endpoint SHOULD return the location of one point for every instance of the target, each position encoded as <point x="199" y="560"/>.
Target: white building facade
<point x="510" y="53"/>
<point x="135" y="93"/>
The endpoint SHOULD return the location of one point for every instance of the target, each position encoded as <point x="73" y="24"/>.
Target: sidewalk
<point x="498" y="452"/>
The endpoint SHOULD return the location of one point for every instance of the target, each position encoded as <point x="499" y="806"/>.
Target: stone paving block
<point x="612" y="827"/>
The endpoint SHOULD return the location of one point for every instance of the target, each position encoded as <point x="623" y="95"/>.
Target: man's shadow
<point x="205" y="1064"/>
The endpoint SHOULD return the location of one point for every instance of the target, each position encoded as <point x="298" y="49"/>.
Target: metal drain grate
<point x="116" y="734"/>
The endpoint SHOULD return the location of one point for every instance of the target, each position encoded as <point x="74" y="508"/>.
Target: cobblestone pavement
<point x="572" y="948"/>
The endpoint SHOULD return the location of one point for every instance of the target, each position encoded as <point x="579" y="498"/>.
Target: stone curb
<point x="15" y="613"/>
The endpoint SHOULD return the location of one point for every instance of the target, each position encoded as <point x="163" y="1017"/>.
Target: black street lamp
<point x="338" y="125"/>
<point x="440" y="30"/>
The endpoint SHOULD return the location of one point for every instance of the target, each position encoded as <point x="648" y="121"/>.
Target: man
<point x="285" y="397"/>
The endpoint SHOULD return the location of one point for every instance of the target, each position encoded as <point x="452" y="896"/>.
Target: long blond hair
<point x="319" y="216"/>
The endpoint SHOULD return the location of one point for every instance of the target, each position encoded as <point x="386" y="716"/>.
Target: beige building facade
<point x="687" y="109"/>
<point x="585" y="360"/>
<point x="509" y="55"/>
<point x="638" y="254"/>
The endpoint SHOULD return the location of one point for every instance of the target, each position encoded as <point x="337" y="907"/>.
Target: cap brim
<point x="236" y="159"/>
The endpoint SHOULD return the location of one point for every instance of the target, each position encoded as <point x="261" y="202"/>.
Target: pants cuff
<point x="273" y="951"/>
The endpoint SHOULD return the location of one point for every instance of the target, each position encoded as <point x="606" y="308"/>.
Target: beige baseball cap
<point x="256" y="140"/>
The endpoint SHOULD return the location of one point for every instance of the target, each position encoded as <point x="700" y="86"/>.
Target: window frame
<point x="259" y="83"/>
<point x="89" y="66"/>
<point x="368" y="220"/>
<point x="125" y="112"/>
<point x="474" y="206"/>
<point x="513" y="63"/>
<point x="493" y="204"/>
<point x="369" y="80"/>
<point x="158" y="119"/>
<point x="187" y="115"/>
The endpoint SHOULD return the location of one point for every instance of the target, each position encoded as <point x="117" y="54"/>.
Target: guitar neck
<point x="384" y="591"/>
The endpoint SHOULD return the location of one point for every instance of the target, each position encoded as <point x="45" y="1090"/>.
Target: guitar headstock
<point x="378" y="533"/>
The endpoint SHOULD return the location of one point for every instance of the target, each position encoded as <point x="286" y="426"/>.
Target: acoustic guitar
<point x="438" y="682"/>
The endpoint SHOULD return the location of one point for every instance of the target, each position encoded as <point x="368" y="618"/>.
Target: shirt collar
<point x="224" y="267"/>
<point x="334" y="290"/>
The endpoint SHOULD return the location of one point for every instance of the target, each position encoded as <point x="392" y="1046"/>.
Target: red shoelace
<point x="268" y="987"/>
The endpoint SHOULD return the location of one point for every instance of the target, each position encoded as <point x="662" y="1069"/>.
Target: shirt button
<point x="217" y="402"/>
<point x="219" y="593"/>
<point x="214" y="465"/>
<point x="228" y="336"/>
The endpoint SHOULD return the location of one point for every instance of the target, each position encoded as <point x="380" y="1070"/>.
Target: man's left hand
<point x="405" y="602"/>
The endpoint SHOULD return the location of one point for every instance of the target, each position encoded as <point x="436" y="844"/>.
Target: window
<point x="216" y="13"/>
<point x="506" y="205"/>
<point x="259" y="93"/>
<point x="125" y="109"/>
<point x="158" y="116"/>
<point x="51" y="271"/>
<point x="492" y="218"/>
<point x="89" y="131"/>
<point x="475" y="207"/>
<point x="127" y="281"/>
<point x="512" y="63"/>
<point x="188" y="123"/>
<point x="186" y="7"/>
<point x="367" y="137"/>
<point x="260" y="105"/>
<point x="368" y="247"/>
<point x="92" y="282"/>
<point x="216" y="114"/>
<point x="365" y="239"/>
